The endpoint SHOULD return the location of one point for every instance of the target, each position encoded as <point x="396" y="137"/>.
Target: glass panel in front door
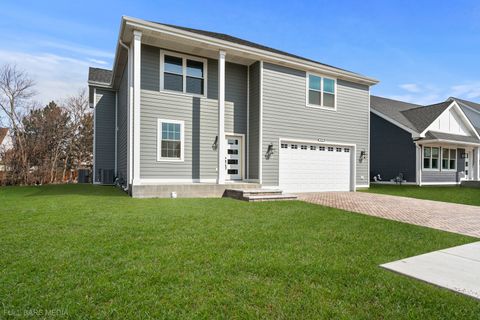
<point x="233" y="158"/>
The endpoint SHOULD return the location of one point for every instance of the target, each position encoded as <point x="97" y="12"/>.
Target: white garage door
<point x="314" y="167"/>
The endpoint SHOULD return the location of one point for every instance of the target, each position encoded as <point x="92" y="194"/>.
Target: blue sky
<point x="421" y="51"/>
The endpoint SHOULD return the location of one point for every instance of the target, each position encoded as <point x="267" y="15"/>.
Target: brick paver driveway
<point x="451" y="217"/>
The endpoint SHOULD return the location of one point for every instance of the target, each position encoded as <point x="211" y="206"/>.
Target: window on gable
<point x="170" y="140"/>
<point x="449" y="159"/>
<point x="183" y="74"/>
<point x="321" y="92"/>
<point x="430" y="157"/>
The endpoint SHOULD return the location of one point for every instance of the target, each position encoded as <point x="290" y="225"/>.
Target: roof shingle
<point x="99" y="75"/>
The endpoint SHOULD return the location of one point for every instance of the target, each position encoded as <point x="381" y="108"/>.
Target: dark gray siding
<point x="199" y="114"/>
<point x="254" y="120"/>
<point x="104" y="131"/>
<point x="122" y="122"/>
<point x="392" y="150"/>
<point x="446" y="176"/>
<point x="285" y="115"/>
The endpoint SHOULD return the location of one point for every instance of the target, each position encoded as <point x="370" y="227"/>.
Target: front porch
<point x="188" y="190"/>
<point x="442" y="162"/>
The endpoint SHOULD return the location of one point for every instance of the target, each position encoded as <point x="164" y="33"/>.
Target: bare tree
<point x="77" y="108"/>
<point x="16" y="88"/>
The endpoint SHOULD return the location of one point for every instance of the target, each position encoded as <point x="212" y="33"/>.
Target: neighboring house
<point x="5" y="145"/>
<point x="434" y="144"/>
<point x="186" y="110"/>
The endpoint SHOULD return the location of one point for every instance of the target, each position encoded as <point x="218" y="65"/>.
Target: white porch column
<point x="137" y="47"/>
<point x="476" y="163"/>
<point x="221" y="148"/>
<point x="418" y="164"/>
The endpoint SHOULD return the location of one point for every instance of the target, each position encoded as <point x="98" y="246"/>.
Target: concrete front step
<point x="252" y="195"/>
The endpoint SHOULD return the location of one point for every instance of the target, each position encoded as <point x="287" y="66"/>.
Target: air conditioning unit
<point x="106" y="176"/>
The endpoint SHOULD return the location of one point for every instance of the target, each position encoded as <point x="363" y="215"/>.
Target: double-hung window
<point x="184" y="74"/>
<point x="321" y="92"/>
<point x="430" y="157"/>
<point x="449" y="159"/>
<point x="170" y="140"/>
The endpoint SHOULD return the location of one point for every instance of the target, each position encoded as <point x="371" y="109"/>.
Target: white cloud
<point x="97" y="61"/>
<point x="411" y="87"/>
<point x="76" y="49"/>
<point x="55" y="76"/>
<point x="466" y="91"/>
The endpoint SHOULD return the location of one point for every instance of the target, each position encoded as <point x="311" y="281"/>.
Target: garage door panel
<point x="314" y="170"/>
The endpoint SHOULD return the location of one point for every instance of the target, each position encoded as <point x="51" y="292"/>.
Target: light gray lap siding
<point x="104" y="131"/>
<point x="285" y="115"/>
<point x="122" y="119"/>
<point x="199" y="114"/>
<point x="254" y="118"/>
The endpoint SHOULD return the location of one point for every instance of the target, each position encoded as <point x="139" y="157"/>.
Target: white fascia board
<point x="464" y="117"/>
<point x="260" y="53"/>
<point x="415" y="134"/>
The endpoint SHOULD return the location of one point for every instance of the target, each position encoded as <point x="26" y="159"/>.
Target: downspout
<point x="120" y="42"/>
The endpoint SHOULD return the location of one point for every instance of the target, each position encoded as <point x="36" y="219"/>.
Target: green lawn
<point x="92" y="252"/>
<point x="453" y="194"/>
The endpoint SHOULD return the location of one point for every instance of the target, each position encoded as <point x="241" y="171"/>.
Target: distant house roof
<point x="3" y="134"/>
<point x="434" y="135"/>
<point x="470" y="104"/>
<point x="98" y="75"/>
<point x="422" y="117"/>
<point x="417" y="118"/>
<point x="393" y="109"/>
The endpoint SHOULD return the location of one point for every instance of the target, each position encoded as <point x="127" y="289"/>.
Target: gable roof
<point x="422" y="117"/>
<point x="393" y="110"/>
<point x="229" y="38"/>
<point x="98" y="75"/>
<point x="467" y="103"/>
<point x="3" y="134"/>
<point x="411" y="116"/>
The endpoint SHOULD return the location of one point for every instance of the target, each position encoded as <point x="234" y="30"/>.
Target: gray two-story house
<point x="194" y="112"/>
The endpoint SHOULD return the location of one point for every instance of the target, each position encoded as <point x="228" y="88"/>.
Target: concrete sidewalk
<point x="457" y="268"/>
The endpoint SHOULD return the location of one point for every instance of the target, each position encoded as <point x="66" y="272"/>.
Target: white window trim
<point x="439" y="158"/>
<point x="159" y="140"/>
<point x="456" y="159"/>
<point x="184" y="58"/>
<point x="307" y="88"/>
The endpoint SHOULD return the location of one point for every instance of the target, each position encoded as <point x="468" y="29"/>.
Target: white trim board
<point x="462" y="115"/>
<point x="184" y="58"/>
<point x="159" y="140"/>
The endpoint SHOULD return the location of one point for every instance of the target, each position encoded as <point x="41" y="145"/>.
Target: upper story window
<point x="183" y="74"/>
<point x="321" y="92"/>
<point x="430" y="158"/>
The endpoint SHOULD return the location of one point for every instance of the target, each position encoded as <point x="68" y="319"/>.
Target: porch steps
<point x="257" y="195"/>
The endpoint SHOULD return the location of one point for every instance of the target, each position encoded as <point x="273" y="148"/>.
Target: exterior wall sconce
<point x="363" y="156"/>
<point x="270" y="151"/>
<point x="215" y="144"/>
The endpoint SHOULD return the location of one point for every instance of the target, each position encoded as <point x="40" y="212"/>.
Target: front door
<point x="468" y="162"/>
<point x="233" y="158"/>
